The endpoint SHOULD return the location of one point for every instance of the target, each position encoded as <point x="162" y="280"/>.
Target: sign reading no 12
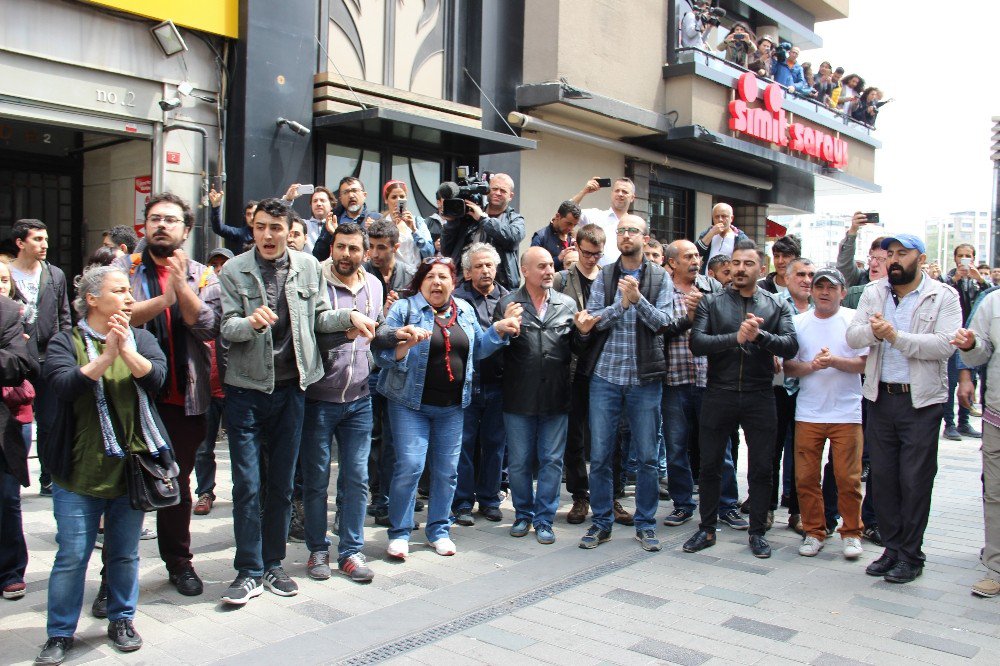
<point x="126" y="98"/>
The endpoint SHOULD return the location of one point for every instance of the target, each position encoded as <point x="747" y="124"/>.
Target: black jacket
<point x="504" y="233"/>
<point x="488" y="370"/>
<point x="536" y="362"/>
<point x="321" y="248"/>
<point x="750" y="366"/>
<point x="52" y="309"/>
<point x="16" y="365"/>
<point x="968" y="291"/>
<point x="682" y="325"/>
<point x="650" y="362"/>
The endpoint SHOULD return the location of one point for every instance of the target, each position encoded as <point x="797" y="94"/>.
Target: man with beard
<point x="720" y="269"/>
<point x="177" y="300"/>
<point x="907" y="321"/>
<point x="394" y="274"/>
<point x="351" y="207"/>
<point x="339" y="404"/>
<point x="741" y="330"/>
<point x="536" y="393"/>
<point x="320" y="205"/>
<point x="483" y="437"/>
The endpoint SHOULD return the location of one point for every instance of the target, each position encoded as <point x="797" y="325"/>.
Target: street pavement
<point x="502" y="600"/>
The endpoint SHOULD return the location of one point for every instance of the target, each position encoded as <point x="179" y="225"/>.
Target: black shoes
<point x="123" y="635"/>
<point x="100" y="607"/>
<point x="872" y="534"/>
<point x="760" y="547"/>
<point x="701" y="540"/>
<point x="187" y="582"/>
<point x="881" y="566"/>
<point x="491" y="513"/>
<point x="903" y="572"/>
<point x="54" y="651"/>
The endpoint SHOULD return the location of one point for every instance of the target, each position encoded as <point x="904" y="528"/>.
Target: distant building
<point x="821" y="235"/>
<point x="942" y="234"/>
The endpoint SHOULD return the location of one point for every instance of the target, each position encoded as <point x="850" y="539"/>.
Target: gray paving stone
<point x="885" y="606"/>
<point x="827" y="659"/>
<point x="671" y="653"/>
<point x="733" y="596"/>
<point x="499" y="637"/>
<point x="635" y="598"/>
<point x="936" y="643"/>
<point x="762" y="629"/>
<point x="910" y="590"/>
<point x="320" y="612"/>
<point x="982" y="616"/>
<point x="743" y="566"/>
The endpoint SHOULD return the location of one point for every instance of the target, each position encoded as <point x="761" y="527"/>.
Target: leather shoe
<point x="967" y="430"/>
<point x="124" y="636"/>
<point x="54" y="651"/>
<point x="100" y="607"/>
<point x="760" y="547"/>
<point x="701" y="540"/>
<point x="903" y="572"/>
<point x="881" y="566"/>
<point x="951" y="432"/>
<point x="187" y="583"/>
<point x="622" y="516"/>
<point x="491" y="513"/>
<point x="578" y="513"/>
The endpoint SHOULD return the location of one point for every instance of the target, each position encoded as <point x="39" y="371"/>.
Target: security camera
<point x="299" y="129"/>
<point x="169" y="104"/>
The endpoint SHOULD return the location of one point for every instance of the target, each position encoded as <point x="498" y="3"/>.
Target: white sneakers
<point x="399" y="549"/>
<point x="444" y="546"/>
<point x="810" y="547"/>
<point x="852" y="548"/>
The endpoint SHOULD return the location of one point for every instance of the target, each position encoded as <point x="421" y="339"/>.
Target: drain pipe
<point x="189" y="127"/>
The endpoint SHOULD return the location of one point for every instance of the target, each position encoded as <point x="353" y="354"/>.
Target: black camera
<point x="468" y="186"/>
<point x="711" y="15"/>
<point x="781" y="51"/>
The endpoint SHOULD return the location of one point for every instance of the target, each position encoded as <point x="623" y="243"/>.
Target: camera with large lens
<point x="781" y="51"/>
<point x="711" y="15"/>
<point x="468" y="186"/>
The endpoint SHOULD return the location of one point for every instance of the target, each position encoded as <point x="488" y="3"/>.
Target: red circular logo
<point x="747" y="87"/>
<point x="773" y="97"/>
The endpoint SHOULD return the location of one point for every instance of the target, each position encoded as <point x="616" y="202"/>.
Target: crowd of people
<point x="779" y="61"/>
<point x="444" y="370"/>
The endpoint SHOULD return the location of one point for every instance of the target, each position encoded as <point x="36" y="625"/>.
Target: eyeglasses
<point x="876" y="260"/>
<point x="629" y="231"/>
<point x="353" y="190"/>
<point x="589" y="254"/>
<point x="169" y="220"/>
<point x="430" y="261"/>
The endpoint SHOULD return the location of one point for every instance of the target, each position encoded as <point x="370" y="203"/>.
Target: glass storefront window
<point x="422" y="177"/>
<point x="344" y="161"/>
<point x="669" y="213"/>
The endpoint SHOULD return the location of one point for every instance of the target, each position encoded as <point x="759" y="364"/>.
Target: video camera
<point x="710" y="15"/>
<point x="781" y="51"/>
<point x="468" y="186"/>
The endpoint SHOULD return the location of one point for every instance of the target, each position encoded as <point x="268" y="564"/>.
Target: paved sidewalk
<point x="513" y="601"/>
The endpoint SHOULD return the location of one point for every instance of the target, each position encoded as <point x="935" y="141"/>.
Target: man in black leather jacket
<point x="741" y="330"/>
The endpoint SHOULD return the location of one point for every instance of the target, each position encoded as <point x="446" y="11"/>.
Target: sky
<point x="935" y="155"/>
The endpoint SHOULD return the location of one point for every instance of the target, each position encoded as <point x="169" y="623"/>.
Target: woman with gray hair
<point x="103" y="373"/>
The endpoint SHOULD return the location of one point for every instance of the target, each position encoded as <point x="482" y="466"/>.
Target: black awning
<point x="431" y="134"/>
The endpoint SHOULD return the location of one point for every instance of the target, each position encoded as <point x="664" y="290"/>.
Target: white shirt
<point x="607" y="220"/>
<point x="27" y="283"/>
<point x="829" y="395"/>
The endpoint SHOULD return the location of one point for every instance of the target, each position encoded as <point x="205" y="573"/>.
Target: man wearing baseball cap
<point x="828" y="407"/>
<point x="906" y="321"/>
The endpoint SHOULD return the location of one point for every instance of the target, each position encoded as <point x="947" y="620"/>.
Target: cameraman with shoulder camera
<point x="696" y="23"/>
<point x="786" y="70"/>
<point x="499" y="225"/>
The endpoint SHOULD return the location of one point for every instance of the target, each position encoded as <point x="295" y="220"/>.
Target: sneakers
<point x="976" y="411"/>
<point x="99" y="609"/>
<point x="760" y="547"/>
<point x="594" y="537"/>
<point x="99" y="541"/>
<point x="810" y="547"/>
<point x="46" y="491"/>
<point x="444" y="547"/>
<point x="318" y="566"/>
<point x="203" y="506"/>
<point x="544" y="534"/>
<point x="872" y="534"/>
<point x="297" y="527"/>
<point x="987" y="588"/>
<point x="276" y="580"/>
<point x="242" y="590"/>
<point x="622" y="516"/>
<point x="678" y="517"/>
<point x="951" y="432"/>
<point x="852" y="548"/>
<point x="464" y="517"/>
<point x="647" y="539"/>
<point x="187" y="582"/>
<point x="491" y="513"/>
<point x="54" y="651"/>
<point x="145" y="535"/>
<point x="14" y="591"/>
<point x="578" y="513"/>
<point x="967" y="430"/>
<point x="520" y="527"/>
<point x="664" y="490"/>
<point x="124" y="636"/>
<point x="735" y="520"/>
<point x="356" y="568"/>
<point x="398" y="549"/>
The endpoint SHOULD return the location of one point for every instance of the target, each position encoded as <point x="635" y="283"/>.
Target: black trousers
<point x="903" y="448"/>
<point x="721" y="412"/>
<point x="784" y="406"/>
<point x="578" y="439"/>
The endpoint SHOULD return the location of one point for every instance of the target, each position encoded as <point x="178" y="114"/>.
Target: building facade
<point x="944" y="233"/>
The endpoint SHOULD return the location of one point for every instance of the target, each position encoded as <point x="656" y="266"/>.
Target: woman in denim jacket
<point x="427" y="380"/>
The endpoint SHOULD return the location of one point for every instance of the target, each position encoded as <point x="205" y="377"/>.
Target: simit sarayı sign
<point x="769" y="124"/>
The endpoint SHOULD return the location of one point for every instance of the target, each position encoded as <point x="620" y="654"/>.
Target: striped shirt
<point x="895" y="365"/>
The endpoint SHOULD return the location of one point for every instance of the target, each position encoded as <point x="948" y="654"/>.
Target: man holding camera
<point x="696" y="23"/>
<point x="622" y="196"/>
<point x="499" y="225"/>
<point x="966" y="279"/>
<point x="320" y="204"/>
<point x="787" y="71"/>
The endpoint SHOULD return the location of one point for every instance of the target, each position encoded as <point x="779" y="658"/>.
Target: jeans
<point x="250" y="414"/>
<point x="639" y="404"/>
<point x="482" y="432"/>
<point x="13" y="549"/>
<point x="681" y="407"/>
<point x="382" y="457"/>
<point x="77" y="518"/>
<point x="173" y="524"/>
<point x="949" y="407"/>
<point x="204" y="460"/>
<point x="432" y="434"/>
<point x="537" y="444"/>
<point x="351" y="422"/>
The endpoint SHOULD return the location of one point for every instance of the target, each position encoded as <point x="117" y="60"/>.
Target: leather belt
<point x="893" y="389"/>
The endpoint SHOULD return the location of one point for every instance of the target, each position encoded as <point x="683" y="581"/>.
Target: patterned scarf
<point x="444" y="326"/>
<point x="150" y="433"/>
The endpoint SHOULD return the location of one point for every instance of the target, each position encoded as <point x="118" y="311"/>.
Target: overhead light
<point x="169" y="104"/>
<point x="298" y="128"/>
<point x="169" y="39"/>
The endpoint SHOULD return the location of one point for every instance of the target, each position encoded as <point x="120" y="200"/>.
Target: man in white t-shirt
<point x="622" y="195"/>
<point x="828" y="407"/>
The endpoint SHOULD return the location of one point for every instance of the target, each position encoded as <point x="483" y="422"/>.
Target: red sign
<point x="143" y="188"/>
<point x="769" y="124"/>
<point x="173" y="158"/>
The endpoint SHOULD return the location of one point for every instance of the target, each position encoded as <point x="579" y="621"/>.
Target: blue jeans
<point x="681" y="408"/>
<point x="77" y="519"/>
<point x="13" y="549"/>
<point x="483" y="429"/>
<point x="204" y="461"/>
<point x="251" y="415"/>
<point x="433" y="434"/>
<point x="949" y="407"/>
<point x="537" y="444"/>
<point x="351" y="422"/>
<point x="640" y="405"/>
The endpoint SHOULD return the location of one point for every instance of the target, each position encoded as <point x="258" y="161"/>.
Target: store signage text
<point x="127" y="97"/>
<point x="769" y="124"/>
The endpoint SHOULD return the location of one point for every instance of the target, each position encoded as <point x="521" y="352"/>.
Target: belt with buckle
<point x="893" y="389"/>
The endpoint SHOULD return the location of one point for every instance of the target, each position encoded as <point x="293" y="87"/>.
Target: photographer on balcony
<point x="696" y="23"/>
<point x="786" y="70"/>
<point x="866" y="109"/>
<point x="499" y="225"/>
<point x="763" y="65"/>
<point x="738" y="45"/>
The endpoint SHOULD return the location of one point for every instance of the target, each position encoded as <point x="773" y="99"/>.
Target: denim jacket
<point x="403" y="380"/>
<point x="251" y="354"/>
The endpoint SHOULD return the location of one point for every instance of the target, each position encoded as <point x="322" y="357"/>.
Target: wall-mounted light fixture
<point x="298" y="128"/>
<point x="168" y="38"/>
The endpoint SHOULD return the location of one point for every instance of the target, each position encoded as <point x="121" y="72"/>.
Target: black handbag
<point x="152" y="482"/>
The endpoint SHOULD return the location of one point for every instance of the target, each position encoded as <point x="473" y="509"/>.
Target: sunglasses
<point x="430" y="261"/>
